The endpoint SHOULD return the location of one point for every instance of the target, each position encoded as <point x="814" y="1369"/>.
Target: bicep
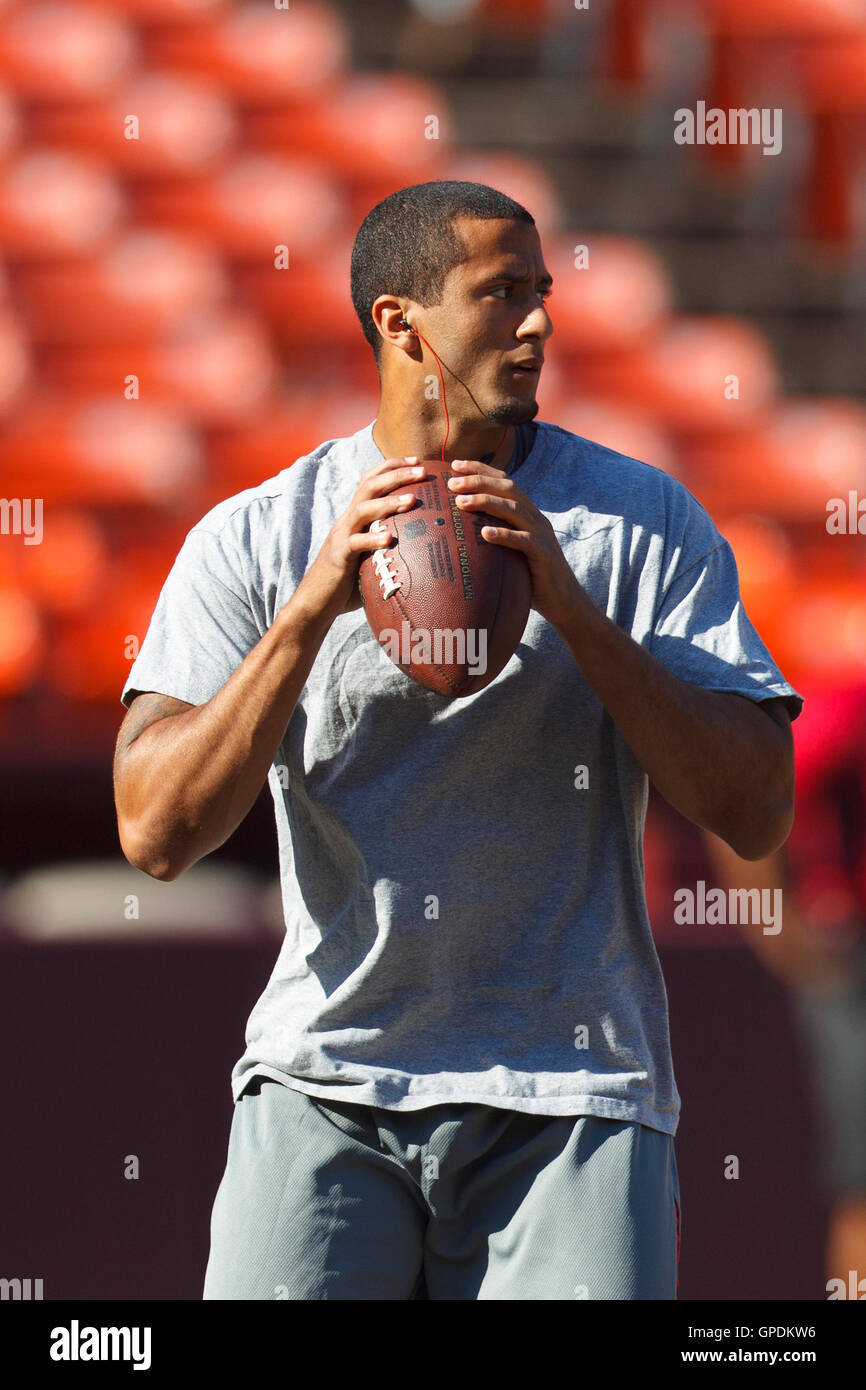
<point x="776" y="709"/>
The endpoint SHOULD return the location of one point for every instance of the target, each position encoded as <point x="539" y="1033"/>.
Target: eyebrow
<point x="515" y="277"/>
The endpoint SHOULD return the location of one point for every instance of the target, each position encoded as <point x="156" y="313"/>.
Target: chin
<point x="513" y="412"/>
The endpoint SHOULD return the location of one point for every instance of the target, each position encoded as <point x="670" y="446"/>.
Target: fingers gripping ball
<point x="447" y="606"/>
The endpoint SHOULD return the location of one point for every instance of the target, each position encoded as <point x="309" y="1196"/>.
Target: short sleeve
<point x="201" y="628"/>
<point x="703" y="634"/>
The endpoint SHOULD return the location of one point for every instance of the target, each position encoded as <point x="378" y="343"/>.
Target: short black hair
<point x="407" y="244"/>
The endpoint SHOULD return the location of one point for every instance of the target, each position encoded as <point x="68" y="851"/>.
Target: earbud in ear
<point x="404" y="324"/>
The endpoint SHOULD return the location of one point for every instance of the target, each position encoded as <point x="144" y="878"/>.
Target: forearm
<point x="716" y="757"/>
<point x="187" y="782"/>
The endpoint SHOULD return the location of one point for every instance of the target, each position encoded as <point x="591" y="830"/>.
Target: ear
<point x="388" y="316"/>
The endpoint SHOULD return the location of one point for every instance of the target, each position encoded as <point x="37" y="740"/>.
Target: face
<point x="492" y="316"/>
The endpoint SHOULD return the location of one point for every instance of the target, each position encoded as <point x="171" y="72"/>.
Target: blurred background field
<point x="153" y="361"/>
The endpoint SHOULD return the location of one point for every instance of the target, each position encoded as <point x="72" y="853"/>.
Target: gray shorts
<point x="340" y="1200"/>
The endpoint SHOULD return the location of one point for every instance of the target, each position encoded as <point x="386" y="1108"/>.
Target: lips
<point x="529" y="365"/>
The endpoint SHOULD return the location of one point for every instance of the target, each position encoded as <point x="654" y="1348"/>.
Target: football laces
<point x="388" y="581"/>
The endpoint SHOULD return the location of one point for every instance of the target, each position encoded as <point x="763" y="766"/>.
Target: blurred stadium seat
<point x="311" y="291"/>
<point x="252" y="206"/>
<point x="140" y="285"/>
<point x="767" y="568"/>
<point x="91" y="651"/>
<point x="780" y="19"/>
<point x="833" y="91"/>
<point x="54" y="50"/>
<point x="523" y="179"/>
<point x="15" y="359"/>
<point x="823" y="635"/>
<point x="69" y="570"/>
<point x="378" y="130"/>
<point x="259" y="54"/>
<point x="213" y="368"/>
<point x="609" y="293"/>
<point x="285" y="430"/>
<point x="788" y="466"/>
<point x="99" y="450"/>
<point x="175" y="12"/>
<point x="696" y="374"/>
<point x="22" y="640"/>
<point x="181" y="124"/>
<point x="53" y="204"/>
<point x="10" y="123"/>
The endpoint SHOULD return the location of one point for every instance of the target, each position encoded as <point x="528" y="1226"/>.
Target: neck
<point x="399" y="434"/>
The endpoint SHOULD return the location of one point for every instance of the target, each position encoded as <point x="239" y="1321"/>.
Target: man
<point x="457" y="1083"/>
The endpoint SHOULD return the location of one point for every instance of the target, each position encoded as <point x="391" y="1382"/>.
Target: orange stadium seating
<point x="161" y="261"/>
<point x="515" y="174"/>
<point x="833" y="86"/>
<point x="15" y="359"/>
<point x="92" y="652"/>
<point x="379" y="130"/>
<point x="215" y="368"/>
<point x="22" y="640"/>
<point x="143" y="283"/>
<point x="767" y="567"/>
<point x="54" y="204"/>
<point x="171" y="124"/>
<point x="788" y="465"/>
<point x="609" y="293"/>
<point x="695" y="375"/>
<point x="823" y="635"/>
<point x="68" y="572"/>
<point x="627" y="431"/>
<point x="99" y="451"/>
<point x="53" y="51"/>
<point x="251" y="206"/>
<point x="253" y="55"/>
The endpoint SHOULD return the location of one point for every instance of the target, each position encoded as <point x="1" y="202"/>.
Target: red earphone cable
<point x="445" y="403"/>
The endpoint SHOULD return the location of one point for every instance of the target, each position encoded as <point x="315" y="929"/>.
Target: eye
<point x="505" y="292"/>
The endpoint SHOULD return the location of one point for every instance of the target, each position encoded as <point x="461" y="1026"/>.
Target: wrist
<point x="307" y="616"/>
<point x="573" y="611"/>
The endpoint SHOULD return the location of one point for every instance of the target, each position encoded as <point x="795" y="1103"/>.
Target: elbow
<point x="764" y="815"/>
<point x="762" y="839"/>
<point x="759" y="831"/>
<point x="750" y="804"/>
<point x="143" y="857"/>
<point x="164" y="872"/>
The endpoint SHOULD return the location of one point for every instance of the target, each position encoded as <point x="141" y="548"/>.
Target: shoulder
<point x="261" y="535"/>
<point x="260" y="503"/>
<point x="598" y="464"/>
<point x="581" y="474"/>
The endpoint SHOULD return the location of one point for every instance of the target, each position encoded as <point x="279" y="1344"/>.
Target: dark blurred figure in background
<point x="820" y="953"/>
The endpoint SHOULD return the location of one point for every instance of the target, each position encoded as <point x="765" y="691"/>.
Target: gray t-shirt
<point x="464" y="907"/>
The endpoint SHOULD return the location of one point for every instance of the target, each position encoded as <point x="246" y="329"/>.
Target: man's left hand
<point x="480" y="487"/>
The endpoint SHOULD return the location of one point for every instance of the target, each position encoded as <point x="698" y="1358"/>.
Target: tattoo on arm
<point x="146" y="709"/>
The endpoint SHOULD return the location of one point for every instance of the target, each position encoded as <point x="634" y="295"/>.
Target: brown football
<point x="447" y="606"/>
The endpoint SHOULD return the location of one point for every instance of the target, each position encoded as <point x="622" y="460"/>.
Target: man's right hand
<point x="330" y="586"/>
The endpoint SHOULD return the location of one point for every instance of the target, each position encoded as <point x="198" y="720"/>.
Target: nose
<point x="537" y="324"/>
